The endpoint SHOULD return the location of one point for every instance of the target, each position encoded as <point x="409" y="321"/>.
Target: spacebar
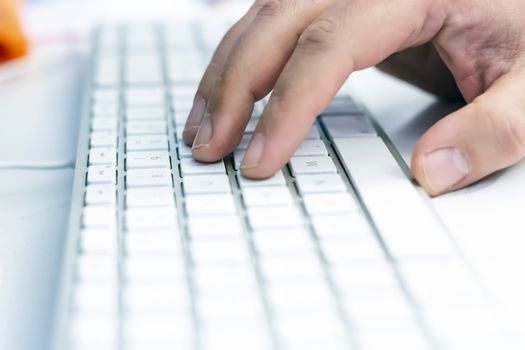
<point x="400" y="212"/>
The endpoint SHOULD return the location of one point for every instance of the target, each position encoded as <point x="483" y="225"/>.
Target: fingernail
<point x="204" y="134"/>
<point x="196" y="113"/>
<point x="254" y="152"/>
<point x="445" y="168"/>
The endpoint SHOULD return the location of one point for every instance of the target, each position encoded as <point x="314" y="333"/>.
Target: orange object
<point x="13" y="44"/>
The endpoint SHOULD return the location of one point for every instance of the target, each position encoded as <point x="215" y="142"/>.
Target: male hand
<point x="305" y="50"/>
<point x="12" y="41"/>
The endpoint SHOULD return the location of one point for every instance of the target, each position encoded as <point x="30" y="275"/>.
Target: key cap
<point x="206" y="184"/>
<point x="283" y="242"/>
<point x="150" y="197"/>
<point x="103" y="139"/>
<point x="148" y="177"/>
<point x="224" y="278"/>
<point x="219" y="251"/>
<point x="150" y="296"/>
<point x="105" y="110"/>
<point x="330" y="203"/>
<point x="146" y="127"/>
<point x="103" y="156"/>
<point x="102" y="174"/>
<point x="108" y="96"/>
<point x="104" y="124"/>
<point x="199" y="204"/>
<point x="276" y="180"/>
<point x="277" y="217"/>
<point x="148" y="160"/>
<point x="154" y="271"/>
<point x="214" y="227"/>
<point x="99" y="216"/>
<point x="145" y="96"/>
<point x="153" y="242"/>
<point x="267" y="196"/>
<point x="313" y="134"/>
<point x="352" y="249"/>
<point x="192" y="167"/>
<point x="342" y="106"/>
<point x="312" y="165"/>
<point x="145" y="113"/>
<point x="312" y="148"/>
<point x="348" y="126"/>
<point x="97" y="267"/>
<point x="181" y="105"/>
<point x="284" y="268"/>
<point x="98" y="241"/>
<point x="341" y="225"/>
<point x="150" y="218"/>
<point x="147" y="143"/>
<point x="183" y="150"/>
<point x="323" y="183"/>
<point x="101" y="194"/>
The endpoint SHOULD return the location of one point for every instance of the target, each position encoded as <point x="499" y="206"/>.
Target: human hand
<point x="12" y="41"/>
<point x="305" y="50"/>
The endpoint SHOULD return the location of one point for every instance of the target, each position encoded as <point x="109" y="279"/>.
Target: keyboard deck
<point x="174" y="254"/>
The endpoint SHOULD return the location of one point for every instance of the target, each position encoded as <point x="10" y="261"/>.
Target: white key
<point x="376" y="167"/>
<point x="102" y="174"/>
<point x="145" y="113"/>
<point x="312" y="148"/>
<point x="151" y="296"/>
<point x="101" y="194"/>
<point x="182" y="105"/>
<point x="330" y="203"/>
<point x="142" y="331"/>
<point x="283" y="242"/>
<point x="230" y="277"/>
<point x="378" y="309"/>
<point x="109" y="96"/>
<point x="164" y="270"/>
<point x="146" y="127"/>
<point x="199" y="204"/>
<point x="352" y="249"/>
<point x="104" y="124"/>
<point x="150" y="197"/>
<point x="267" y="196"/>
<point x="313" y="134"/>
<point x="341" y="225"/>
<point x="147" y="143"/>
<point x="149" y="159"/>
<point x="150" y="218"/>
<point x="153" y="242"/>
<point x="343" y="105"/>
<point x="301" y="296"/>
<point x="206" y="184"/>
<point x="312" y="165"/>
<point x="192" y="167"/>
<point x="219" y="251"/>
<point x="180" y="118"/>
<point x="148" y="177"/>
<point x="103" y="139"/>
<point x="284" y="268"/>
<point x="349" y="126"/>
<point x="275" y="217"/>
<point x="145" y="96"/>
<point x="323" y="183"/>
<point x="366" y="277"/>
<point x="100" y="241"/>
<point x="99" y="267"/>
<point x="99" y="216"/>
<point x="184" y="150"/>
<point x="214" y="227"/>
<point x="103" y="155"/>
<point x="105" y="110"/>
<point x="276" y="180"/>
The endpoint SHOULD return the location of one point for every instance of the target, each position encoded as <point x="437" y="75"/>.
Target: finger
<point x="483" y="137"/>
<point x="423" y="67"/>
<point x="349" y="36"/>
<point x="12" y="41"/>
<point x="250" y="73"/>
<point x="212" y="72"/>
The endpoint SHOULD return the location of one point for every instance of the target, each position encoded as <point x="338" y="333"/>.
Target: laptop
<point x="339" y="250"/>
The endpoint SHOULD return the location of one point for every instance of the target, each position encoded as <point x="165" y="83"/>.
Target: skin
<point x="472" y="49"/>
<point x="12" y="42"/>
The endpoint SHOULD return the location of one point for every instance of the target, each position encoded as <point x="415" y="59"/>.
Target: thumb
<point x="485" y="136"/>
<point x="12" y="41"/>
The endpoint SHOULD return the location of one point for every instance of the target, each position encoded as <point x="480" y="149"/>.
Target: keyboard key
<point x="192" y="167"/>
<point x="275" y="217"/>
<point x="146" y="113"/>
<point x="100" y="216"/>
<point x="103" y="139"/>
<point x="151" y="218"/>
<point x="218" y="251"/>
<point x="146" y="127"/>
<point x="285" y="268"/>
<point x="342" y="106"/>
<point x="148" y="177"/>
<point x="312" y="165"/>
<point x="148" y="160"/>
<point x="330" y="203"/>
<point x="98" y="241"/>
<point x="206" y="184"/>
<point x="348" y="126"/>
<point x="164" y="242"/>
<point x="267" y="196"/>
<point x="104" y="124"/>
<point x="313" y="134"/>
<point x="351" y="249"/>
<point x="184" y="150"/>
<point x="147" y="143"/>
<point x="103" y="156"/>
<point x="158" y="270"/>
<point x="145" y="297"/>
<point x="102" y="174"/>
<point x="341" y="225"/>
<point x="101" y="194"/>
<point x="105" y="96"/>
<point x="276" y="180"/>
<point x="105" y="110"/>
<point x="150" y="197"/>
<point x="145" y="96"/>
<point x="214" y="227"/>
<point x="322" y="183"/>
<point x="283" y="242"/>
<point x="312" y="148"/>
<point x="200" y="204"/>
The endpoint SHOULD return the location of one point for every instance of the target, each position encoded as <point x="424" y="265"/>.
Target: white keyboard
<point x="336" y="251"/>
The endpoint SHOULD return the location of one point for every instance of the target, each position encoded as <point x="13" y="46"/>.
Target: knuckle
<point x="320" y="36"/>
<point x="508" y="129"/>
<point x="272" y="8"/>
